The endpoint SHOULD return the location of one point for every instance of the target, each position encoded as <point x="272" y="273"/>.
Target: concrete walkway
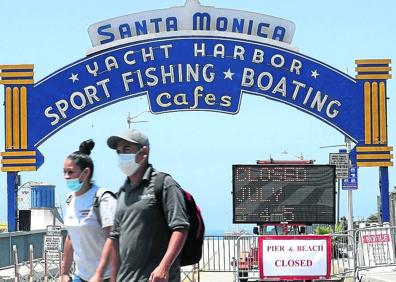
<point x="379" y="274"/>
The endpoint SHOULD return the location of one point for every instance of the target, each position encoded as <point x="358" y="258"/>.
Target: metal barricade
<point x="343" y="257"/>
<point x="247" y="262"/>
<point x="238" y="257"/>
<point x="35" y="269"/>
<point x="218" y="254"/>
<point x="375" y="247"/>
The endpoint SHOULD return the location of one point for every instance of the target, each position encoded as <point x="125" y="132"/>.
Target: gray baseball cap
<point x="130" y="135"/>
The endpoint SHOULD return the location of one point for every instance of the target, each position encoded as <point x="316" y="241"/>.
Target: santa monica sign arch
<point x="194" y="58"/>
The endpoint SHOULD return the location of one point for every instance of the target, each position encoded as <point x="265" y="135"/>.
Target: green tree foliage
<point x="373" y="218"/>
<point x="328" y="229"/>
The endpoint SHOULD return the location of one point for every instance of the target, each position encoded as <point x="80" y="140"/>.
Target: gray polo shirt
<point x="143" y="227"/>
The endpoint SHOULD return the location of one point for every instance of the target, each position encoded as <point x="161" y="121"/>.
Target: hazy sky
<point x="199" y="148"/>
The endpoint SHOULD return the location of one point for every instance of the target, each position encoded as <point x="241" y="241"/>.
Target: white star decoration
<point x="314" y="74"/>
<point x="74" y="77"/>
<point x="228" y="74"/>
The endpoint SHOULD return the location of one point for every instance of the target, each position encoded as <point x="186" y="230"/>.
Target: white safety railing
<point x="375" y="247"/>
<point x="36" y="269"/>
<point x="218" y="254"/>
<point x="343" y="257"/>
<point x="353" y="252"/>
<point x="247" y="262"/>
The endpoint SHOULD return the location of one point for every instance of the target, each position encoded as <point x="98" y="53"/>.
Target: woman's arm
<point x="67" y="260"/>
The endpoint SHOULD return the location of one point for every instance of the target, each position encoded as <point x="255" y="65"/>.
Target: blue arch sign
<point x="182" y="67"/>
<point x="207" y="73"/>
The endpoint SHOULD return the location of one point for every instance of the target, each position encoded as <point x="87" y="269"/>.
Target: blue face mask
<point x="74" y="184"/>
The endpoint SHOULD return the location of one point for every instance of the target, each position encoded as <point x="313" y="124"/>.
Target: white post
<point x="350" y="198"/>
<point x="338" y="200"/>
<point x="350" y="210"/>
<point x="16" y="268"/>
<point x="31" y="263"/>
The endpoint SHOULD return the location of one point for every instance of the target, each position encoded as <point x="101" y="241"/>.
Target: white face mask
<point x="127" y="163"/>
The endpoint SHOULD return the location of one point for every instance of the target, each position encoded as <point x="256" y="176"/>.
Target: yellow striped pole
<point x="375" y="151"/>
<point x="16" y="79"/>
<point x="374" y="73"/>
<point x="17" y="156"/>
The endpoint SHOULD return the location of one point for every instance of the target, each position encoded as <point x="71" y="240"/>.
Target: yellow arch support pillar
<point x="374" y="153"/>
<point x="16" y="79"/>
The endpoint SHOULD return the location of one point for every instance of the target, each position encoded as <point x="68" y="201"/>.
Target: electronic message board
<point x="274" y="194"/>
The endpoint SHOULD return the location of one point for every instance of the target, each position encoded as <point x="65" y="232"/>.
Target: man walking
<point x="147" y="235"/>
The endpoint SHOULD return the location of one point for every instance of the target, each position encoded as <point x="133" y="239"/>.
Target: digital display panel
<point x="273" y="194"/>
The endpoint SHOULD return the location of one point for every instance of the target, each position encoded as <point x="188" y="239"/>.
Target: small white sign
<point x="341" y="161"/>
<point x="53" y="256"/>
<point x="52" y="243"/>
<point x="294" y="256"/>
<point x="53" y="230"/>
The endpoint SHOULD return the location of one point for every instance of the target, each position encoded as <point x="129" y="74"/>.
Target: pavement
<point x="379" y="274"/>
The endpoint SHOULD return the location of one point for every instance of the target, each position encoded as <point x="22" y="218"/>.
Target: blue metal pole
<point x="11" y="193"/>
<point x="384" y="178"/>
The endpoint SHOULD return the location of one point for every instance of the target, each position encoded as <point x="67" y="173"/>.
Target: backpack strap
<point x="96" y="202"/>
<point x="159" y="185"/>
<point x="158" y="189"/>
<point x="69" y="198"/>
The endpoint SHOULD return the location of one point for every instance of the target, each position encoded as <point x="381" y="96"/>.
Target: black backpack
<point x="192" y="249"/>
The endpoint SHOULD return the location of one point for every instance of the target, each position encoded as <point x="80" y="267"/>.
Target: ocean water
<point x="214" y="232"/>
<point x="221" y="232"/>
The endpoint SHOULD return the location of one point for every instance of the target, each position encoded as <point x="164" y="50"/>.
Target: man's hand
<point x="160" y="274"/>
<point x="65" y="278"/>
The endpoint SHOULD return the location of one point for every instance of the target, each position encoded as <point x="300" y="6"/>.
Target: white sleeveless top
<point x="85" y="232"/>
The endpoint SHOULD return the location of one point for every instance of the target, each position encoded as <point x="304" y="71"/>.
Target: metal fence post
<point x="45" y="266"/>
<point x="15" y="257"/>
<point x="30" y="263"/>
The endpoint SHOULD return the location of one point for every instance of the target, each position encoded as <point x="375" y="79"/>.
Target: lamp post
<point x="338" y="192"/>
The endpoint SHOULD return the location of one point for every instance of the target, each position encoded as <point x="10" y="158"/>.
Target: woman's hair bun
<point x="87" y="146"/>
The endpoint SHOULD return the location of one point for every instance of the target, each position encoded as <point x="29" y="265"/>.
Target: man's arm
<point x="176" y="243"/>
<point x="67" y="259"/>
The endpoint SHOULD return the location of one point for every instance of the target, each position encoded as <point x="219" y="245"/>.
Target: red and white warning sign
<point x="295" y="257"/>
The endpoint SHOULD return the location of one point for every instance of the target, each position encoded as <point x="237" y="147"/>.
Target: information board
<point x="52" y="243"/>
<point x="53" y="230"/>
<point x="341" y="161"/>
<point x="351" y="183"/>
<point x="276" y="194"/>
<point x="52" y="247"/>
